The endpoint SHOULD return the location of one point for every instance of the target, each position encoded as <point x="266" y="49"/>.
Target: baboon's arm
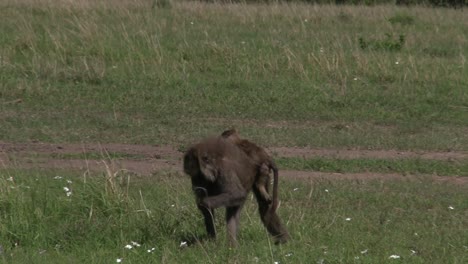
<point x="232" y="193"/>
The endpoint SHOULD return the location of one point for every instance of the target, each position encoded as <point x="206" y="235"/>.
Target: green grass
<point x="40" y="224"/>
<point x="401" y="166"/>
<point x="285" y="74"/>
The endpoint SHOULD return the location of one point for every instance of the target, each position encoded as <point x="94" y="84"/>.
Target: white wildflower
<point x="364" y="251"/>
<point x="128" y="246"/>
<point x="191" y="22"/>
<point x="295" y="189"/>
<point x="10" y="179"/>
<point x="66" y="189"/>
<point x="355" y="78"/>
<point x="397" y="62"/>
<point x="413" y="252"/>
<point x="356" y="257"/>
<point x="305" y="20"/>
<point x="183" y="244"/>
<point x="119" y="260"/>
<point x="135" y="244"/>
<point x="69" y="182"/>
<point x="394" y="257"/>
<point x="289" y="255"/>
<point x="58" y="177"/>
<point x="348" y="219"/>
<point x="326" y="190"/>
<point x="451" y="207"/>
<point x="69" y="194"/>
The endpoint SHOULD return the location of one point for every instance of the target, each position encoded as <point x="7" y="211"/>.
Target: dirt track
<point x="149" y="159"/>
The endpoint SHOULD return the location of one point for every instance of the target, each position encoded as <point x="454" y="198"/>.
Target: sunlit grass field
<point x="128" y="71"/>
<point x="284" y="74"/>
<point x="330" y="222"/>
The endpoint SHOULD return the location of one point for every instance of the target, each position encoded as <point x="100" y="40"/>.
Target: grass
<point x="286" y="74"/>
<point x="41" y="224"/>
<point x="401" y="166"/>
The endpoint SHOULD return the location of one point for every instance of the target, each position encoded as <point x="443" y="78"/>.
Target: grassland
<point x="41" y="224"/>
<point x="332" y="77"/>
<point x="284" y="74"/>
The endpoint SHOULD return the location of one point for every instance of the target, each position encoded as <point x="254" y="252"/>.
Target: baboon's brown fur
<point x="222" y="175"/>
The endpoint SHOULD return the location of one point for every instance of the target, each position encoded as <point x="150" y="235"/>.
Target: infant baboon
<point x="222" y="175"/>
<point x="264" y="163"/>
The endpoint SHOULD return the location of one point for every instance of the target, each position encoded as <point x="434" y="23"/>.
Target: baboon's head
<point x="205" y="158"/>
<point x="231" y="135"/>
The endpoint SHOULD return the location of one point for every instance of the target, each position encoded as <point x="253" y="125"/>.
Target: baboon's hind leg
<point x="270" y="219"/>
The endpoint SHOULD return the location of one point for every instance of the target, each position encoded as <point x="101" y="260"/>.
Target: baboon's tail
<point x="275" y="203"/>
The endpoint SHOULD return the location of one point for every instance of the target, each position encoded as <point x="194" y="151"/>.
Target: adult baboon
<point x="222" y="175"/>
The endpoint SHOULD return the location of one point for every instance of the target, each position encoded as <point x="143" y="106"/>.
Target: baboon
<point x="223" y="175"/>
<point x="264" y="163"/>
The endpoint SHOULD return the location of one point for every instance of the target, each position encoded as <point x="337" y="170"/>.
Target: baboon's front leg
<point x="208" y="215"/>
<point x="232" y="224"/>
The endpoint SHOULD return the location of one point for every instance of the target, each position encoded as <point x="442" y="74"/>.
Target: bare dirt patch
<point x="156" y="158"/>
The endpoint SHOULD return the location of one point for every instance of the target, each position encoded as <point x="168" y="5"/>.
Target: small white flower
<point x="322" y="50"/>
<point x="348" y="219"/>
<point x="10" y="179"/>
<point x="364" y="251"/>
<point x="114" y="66"/>
<point x="149" y="251"/>
<point x="69" y="194"/>
<point x="451" y="207"/>
<point x="70" y="182"/>
<point x="242" y="42"/>
<point x="413" y="252"/>
<point x="326" y="190"/>
<point x="172" y="205"/>
<point x="355" y="78"/>
<point x="66" y="189"/>
<point x="356" y="257"/>
<point x="416" y="234"/>
<point x="394" y="257"/>
<point x="289" y="254"/>
<point x="191" y="22"/>
<point x="183" y="244"/>
<point x="119" y="260"/>
<point x="58" y="177"/>
<point x="295" y="189"/>
<point x="276" y="262"/>
<point x="135" y="244"/>
<point x="397" y="62"/>
<point x="305" y="20"/>
<point x="128" y="246"/>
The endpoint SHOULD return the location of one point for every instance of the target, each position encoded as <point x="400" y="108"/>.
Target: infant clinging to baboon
<point x="222" y="174"/>
<point x="263" y="161"/>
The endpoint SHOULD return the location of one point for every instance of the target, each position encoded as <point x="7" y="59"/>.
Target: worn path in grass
<point x="147" y="159"/>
